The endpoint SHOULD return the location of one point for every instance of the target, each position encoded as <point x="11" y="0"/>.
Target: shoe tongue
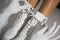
<point x="38" y="6"/>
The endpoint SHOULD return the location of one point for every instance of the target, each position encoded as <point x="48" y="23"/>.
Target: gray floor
<point x="55" y="17"/>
